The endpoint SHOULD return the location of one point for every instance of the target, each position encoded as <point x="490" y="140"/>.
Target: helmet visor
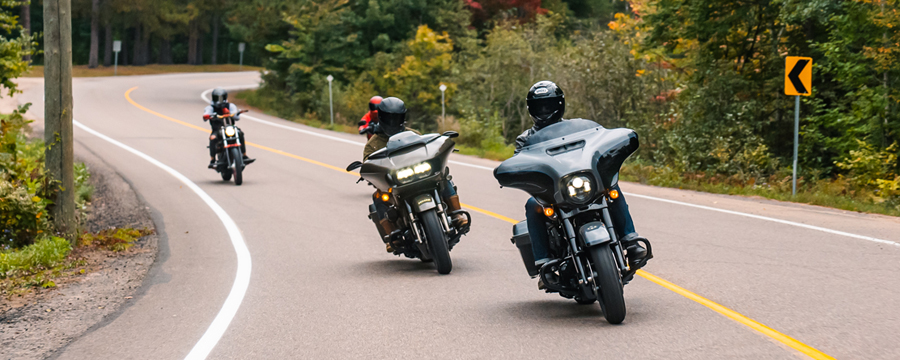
<point x="391" y="123"/>
<point x="543" y="108"/>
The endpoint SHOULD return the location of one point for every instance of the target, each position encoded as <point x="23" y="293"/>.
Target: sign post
<point x="443" y="113"/>
<point x="241" y="48"/>
<point x="797" y="82"/>
<point x="330" y="99"/>
<point x="117" y="46"/>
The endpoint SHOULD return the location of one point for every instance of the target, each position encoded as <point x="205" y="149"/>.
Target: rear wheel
<point x="437" y="241"/>
<point x="226" y="175"/>
<point x="610" y="296"/>
<point x="237" y="165"/>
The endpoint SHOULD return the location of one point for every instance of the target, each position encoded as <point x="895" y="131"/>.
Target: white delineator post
<point x="117" y="46"/>
<point x="330" y="99"/>
<point x="443" y="111"/>
<point x="241" y="48"/>
<point x="796" y="141"/>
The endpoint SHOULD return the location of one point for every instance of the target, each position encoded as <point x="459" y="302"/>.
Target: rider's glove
<point x="225" y="111"/>
<point x="363" y="130"/>
<point x="205" y="117"/>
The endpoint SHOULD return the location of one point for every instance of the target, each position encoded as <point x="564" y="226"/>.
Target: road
<point x="321" y="285"/>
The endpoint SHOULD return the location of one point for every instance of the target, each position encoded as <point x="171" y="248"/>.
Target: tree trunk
<point x="145" y="47"/>
<point x="123" y="52"/>
<point x="107" y="46"/>
<point x="192" y="43"/>
<point x="93" y="57"/>
<point x="25" y="17"/>
<point x="137" y="56"/>
<point x="200" y="48"/>
<point x="165" y="52"/>
<point x="215" y="40"/>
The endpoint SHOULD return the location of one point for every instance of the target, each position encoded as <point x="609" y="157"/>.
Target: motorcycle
<point x="408" y="175"/>
<point x="229" y="159"/>
<point x="570" y="168"/>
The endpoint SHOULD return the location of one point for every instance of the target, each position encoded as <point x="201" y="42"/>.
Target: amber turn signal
<point x="385" y="197"/>
<point x="548" y="211"/>
<point x="614" y="194"/>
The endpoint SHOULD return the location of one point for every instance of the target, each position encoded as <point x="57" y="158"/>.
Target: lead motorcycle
<point x="408" y="174"/>
<point x="230" y="160"/>
<point x="569" y="168"/>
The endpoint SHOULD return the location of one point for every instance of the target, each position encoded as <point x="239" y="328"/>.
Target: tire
<point x="611" y="299"/>
<point x="237" y="161"/>
<point x="437" y="241"/>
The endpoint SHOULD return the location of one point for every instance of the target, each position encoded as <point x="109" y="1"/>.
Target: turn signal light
<point x="548" y="211"/>
<point x="614" y="194"/>
<point x="385" y="197"/>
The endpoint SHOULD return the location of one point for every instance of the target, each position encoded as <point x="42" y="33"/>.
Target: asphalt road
<point x="321" y="285"/>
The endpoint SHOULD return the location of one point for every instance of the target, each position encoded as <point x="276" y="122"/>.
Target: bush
<point x="42" y="255"/>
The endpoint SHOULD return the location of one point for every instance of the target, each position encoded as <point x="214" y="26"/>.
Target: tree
<point x="93" y="61"/>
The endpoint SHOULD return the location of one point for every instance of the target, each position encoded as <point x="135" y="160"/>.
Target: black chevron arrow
<point x="794" y="76"/>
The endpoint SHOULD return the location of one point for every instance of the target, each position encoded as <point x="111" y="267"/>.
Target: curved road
<point x="724" y="284"/>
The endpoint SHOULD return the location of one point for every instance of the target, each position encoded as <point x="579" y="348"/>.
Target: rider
<point x="546" y="105"/>
<point x="221" y="106"/>
<point x="368" y="121"/>
<point x="392" y="121"/>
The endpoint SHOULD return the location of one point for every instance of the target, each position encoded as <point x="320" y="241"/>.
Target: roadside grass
<point x="43" y="263"/>
<point x="83" y="71"/>
<point x="834" y="193"/>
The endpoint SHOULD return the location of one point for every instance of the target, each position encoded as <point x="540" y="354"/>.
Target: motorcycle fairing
<point x="564" y="148"/>
<point x="403" y="150"/>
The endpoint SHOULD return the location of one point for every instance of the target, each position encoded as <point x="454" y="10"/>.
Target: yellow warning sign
<point x="798" y="76"/>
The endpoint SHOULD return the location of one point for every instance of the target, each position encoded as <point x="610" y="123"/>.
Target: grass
<point x="83" y="71"/>
<point x="41" y="264"/>
<point x="834" y="193"/>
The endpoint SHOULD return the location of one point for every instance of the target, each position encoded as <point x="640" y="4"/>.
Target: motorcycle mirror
<point x="354" y="165"/>
<point x="361" y="123"/>
<point x="450" y="134"/>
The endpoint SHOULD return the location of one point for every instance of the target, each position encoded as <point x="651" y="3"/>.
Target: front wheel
<point x="437" y="241"/>
<point x="610" y="296"/>
<point x="237" y="165"/>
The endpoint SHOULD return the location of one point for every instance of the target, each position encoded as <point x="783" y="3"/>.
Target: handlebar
<point x="231" y="115"/>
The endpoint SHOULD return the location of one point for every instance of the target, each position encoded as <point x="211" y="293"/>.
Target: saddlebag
<point x="523" y="242"/>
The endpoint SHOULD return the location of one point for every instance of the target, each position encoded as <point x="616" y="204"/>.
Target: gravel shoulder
<point x="39" y="324"/>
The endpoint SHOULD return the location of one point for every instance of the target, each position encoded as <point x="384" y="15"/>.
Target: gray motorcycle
<point x="570" y="168"/>
<point x="408" y="175"/>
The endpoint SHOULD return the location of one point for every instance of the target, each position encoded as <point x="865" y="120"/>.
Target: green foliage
<point x="117" y="239"/>
<point x="42" y="255"/>
<point x="14" y="46"/>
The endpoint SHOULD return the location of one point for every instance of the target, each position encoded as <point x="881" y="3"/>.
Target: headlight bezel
<point x="409" y="174"/>
<point x="579" y="188"/>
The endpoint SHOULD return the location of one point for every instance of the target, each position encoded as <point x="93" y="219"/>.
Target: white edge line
<point x="241" y="280"/>
<point x="786" y="222"/>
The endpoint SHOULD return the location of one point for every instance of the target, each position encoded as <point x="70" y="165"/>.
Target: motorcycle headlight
<point x="230" y="131"/>
<point x="417" y="171"/>
<point x="579" y="189"/>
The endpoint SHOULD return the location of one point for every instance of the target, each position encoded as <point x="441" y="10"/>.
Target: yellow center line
<point x="731" y="314"/>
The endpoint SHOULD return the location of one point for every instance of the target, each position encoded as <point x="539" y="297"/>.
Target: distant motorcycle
<point x="230" y="160"/>
<point x="569" y="168"/>
<point x="408" y="174"/>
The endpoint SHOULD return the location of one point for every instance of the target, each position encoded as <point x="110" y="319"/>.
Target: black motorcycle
<point x="229" y="159"/>
<point x="408" y="175"/>
<point x="570" y="168"/>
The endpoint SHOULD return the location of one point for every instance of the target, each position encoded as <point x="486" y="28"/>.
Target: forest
<point x="700" y="80"/>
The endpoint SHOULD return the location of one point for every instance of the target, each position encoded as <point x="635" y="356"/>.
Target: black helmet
<point x="391" y="116"/>
<point x="219" y="96"/>
<point x="546" y="103"/>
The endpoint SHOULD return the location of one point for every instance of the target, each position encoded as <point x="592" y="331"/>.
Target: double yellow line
<point x="731" y="314"/>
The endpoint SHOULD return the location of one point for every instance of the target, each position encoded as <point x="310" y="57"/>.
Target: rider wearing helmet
<point x="221" y="106"/>
<point x="546" y="105"/>
<point x="368" y="121"/>
<point x="392" y="121"/>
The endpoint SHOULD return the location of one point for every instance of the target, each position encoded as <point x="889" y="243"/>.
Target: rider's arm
<point x="208" y="112"/>
<point x="232" y="108"/>
<point x="521" y="139"/>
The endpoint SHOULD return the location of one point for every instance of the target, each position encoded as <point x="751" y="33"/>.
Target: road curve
<point x="321" y="285"/>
